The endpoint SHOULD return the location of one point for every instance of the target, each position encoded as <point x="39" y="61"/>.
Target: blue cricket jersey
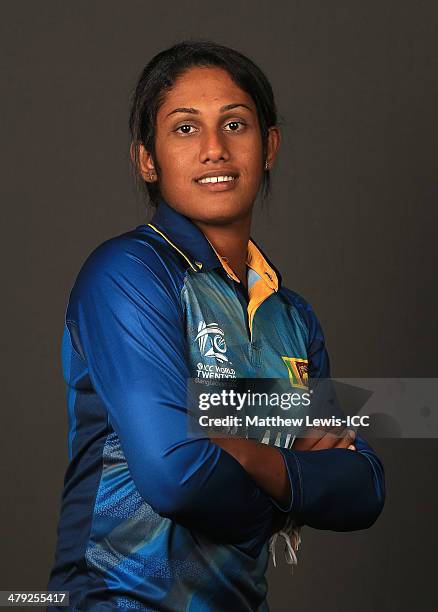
<point x="152" y="518"/>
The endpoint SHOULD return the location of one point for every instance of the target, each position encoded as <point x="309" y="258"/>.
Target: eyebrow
<point x="195" y="111"/>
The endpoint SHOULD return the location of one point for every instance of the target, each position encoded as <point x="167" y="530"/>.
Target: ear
<point x="146" y="164"/>
<point x="273" y="145"/>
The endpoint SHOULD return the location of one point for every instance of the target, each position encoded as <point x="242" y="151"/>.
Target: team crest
<point x="211" y="341"/>
<point x="297" y="370"/>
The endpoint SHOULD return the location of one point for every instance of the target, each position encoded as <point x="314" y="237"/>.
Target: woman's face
<point x="209" y="148"/>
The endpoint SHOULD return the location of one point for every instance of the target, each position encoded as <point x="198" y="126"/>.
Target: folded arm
<point x="329" y="486"/>
<point x="335" y="488"/>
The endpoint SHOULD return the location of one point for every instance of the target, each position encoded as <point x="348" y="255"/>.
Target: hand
<point x="321" y="439"/>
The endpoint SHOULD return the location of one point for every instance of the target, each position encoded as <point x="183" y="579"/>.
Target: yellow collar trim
<point x="258" y="263"/>
<point x="263" y="287"/>
<point x="255" y="261"/>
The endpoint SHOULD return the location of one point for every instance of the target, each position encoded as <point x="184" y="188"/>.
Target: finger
<point x="307" y="441"/>
<point x="351" y="447"/>
<point x="338" y="439"/>
<point x="347" y="439"/>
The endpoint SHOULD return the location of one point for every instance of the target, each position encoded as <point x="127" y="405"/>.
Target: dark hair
<point x="160" y="75"/>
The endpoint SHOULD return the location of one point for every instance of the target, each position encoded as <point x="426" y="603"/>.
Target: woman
<point x="153" y="517"/>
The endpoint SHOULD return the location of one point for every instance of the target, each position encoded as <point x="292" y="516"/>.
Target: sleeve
<point x="333" y="489"/>
<point x="127" y="310"/>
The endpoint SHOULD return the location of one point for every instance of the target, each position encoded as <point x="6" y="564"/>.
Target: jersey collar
<point x="192" y="244"/>
<point x="185" y="235"/>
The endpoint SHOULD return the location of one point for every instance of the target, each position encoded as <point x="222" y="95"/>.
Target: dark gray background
<point x="351" y="224"/>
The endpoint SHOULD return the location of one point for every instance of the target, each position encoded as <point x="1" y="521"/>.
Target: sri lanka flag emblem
<point x="297" y="369"/>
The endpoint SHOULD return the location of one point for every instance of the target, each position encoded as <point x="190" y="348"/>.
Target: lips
<point x="217" y="176"/>
<point x="216" y="179"/>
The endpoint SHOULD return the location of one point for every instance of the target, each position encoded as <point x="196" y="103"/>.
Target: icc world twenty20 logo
<point x="211" y="341"/>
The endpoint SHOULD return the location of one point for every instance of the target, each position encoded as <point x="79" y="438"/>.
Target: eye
<point x="185" y="129"/>
<point x="235" y="126"/>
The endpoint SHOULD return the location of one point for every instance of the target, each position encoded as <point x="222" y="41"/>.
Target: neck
<point x="230" y="241"/>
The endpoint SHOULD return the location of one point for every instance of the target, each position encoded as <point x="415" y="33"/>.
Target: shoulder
<point x="303" y="309"/>
<point x="136" y="264"/>
<point x="142" y="246"/>
<point x="139" y="251"/>
<point x="295" y="299"/>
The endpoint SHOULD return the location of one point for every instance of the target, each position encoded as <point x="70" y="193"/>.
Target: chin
<point x="219" y="212"/>
<point x="212" y="208"/>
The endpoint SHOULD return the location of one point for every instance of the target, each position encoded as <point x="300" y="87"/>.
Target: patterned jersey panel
<point x="154" y="560"/>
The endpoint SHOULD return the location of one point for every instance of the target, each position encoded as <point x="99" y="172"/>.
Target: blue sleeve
<point x="128" y="316"/>
<point x="334" y="489"/>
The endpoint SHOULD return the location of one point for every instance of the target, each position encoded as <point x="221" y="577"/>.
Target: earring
<point x="266" y="165"/>
<point x="151" y="174"/>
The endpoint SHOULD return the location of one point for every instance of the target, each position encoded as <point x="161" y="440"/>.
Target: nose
<point x="213" y="147"/>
